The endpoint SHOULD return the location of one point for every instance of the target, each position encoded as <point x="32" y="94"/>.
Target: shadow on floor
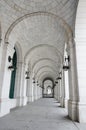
<point x="56" y="102"/>
<point x="67" y="118"/>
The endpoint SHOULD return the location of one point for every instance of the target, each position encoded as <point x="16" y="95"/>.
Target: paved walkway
<point x="44" y="114"/>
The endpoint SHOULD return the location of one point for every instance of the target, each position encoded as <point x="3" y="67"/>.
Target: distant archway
<point x="48" y="88"/>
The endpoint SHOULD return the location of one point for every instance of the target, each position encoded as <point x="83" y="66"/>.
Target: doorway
<point x="13" y="76"/>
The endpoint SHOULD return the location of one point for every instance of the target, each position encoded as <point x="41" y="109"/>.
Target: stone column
<point x="66" y="98"/>
<point x="58" y="91"/>
<point x="23" y="86"/>
<point x="28" y="89"/>
<point x="39" y="92"/>
<point x="80" y="38"/>
<point x="34" y="91"/>
<point x="73" y="84"/>
<point x="19" y="83"/>
<point x="5" y="76"/>
<point x="62" y="90"/>
<point x="1" y="49"/>
<point x="35" y="95"/>
<point x="54" y="92"/>
<point x="31" y="96"/>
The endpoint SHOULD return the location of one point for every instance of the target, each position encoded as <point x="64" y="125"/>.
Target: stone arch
<point x="45" y="67"/>
<point x="48" y="79"/>
<point x="44" y="45"/>
<point x="29" y="55"/>
<point x="46" y="74"/>
<point x="47" y="59"/>
<point x="61" y="21"/>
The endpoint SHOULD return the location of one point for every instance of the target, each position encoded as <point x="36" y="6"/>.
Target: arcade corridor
<point x="43" y="114"/>
<point x="42" y="54"/>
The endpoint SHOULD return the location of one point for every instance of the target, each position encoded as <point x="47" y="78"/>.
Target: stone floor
<point x="44" y="114"/>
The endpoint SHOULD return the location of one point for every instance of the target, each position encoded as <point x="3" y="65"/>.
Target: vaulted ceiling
<point x="41" y="29"/>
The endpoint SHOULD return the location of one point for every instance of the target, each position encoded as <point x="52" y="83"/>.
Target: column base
<point x="39" y="96"/>
<point x="58" y="98"/>
<point x="55" y="96"/>
<point x="82" y="112"/>
<point x="30" y="98"/>
<point x="72" y="110"/>
<point x="4" y="107"/>
<point x="66" y="103"/>
<point x="62" y="102"/>
<point x="77" y="111"/>
<point x="21" y="101"/>
<point x="35" y="97"/>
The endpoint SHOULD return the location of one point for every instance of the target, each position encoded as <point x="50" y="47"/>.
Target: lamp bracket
<point x="67" y="58"/>
<point x="9" y="58"/>
<point x="65" y="67"/>
<point x="27" y="77"/>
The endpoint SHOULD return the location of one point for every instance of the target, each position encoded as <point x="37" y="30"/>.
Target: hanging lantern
<point x="56" y="82"/>
<point x="59" y="78"/>
<point x="65" y="67"/>
<point x="34" y="81"/>
<point x="27" y="75"/>
<point x="11" y="67"/>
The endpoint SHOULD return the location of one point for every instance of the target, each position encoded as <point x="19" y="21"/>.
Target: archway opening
<point x="13" y="76"/>
<point x="48" y="89"/>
